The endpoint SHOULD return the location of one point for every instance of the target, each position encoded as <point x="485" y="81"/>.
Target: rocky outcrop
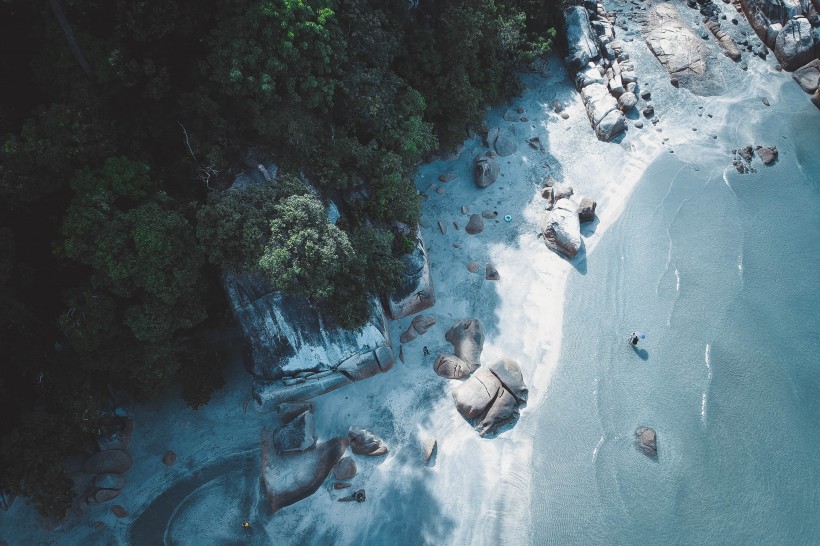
<point x="491" y="397"/>
<point x="561" y="228"/>
<point x="785" y="26"/>
<point x="582" y="42"/>
<point x="647" y="441"/>
<point x="291" y="477"/>
<point x="364" y="442"/>
<point x="808" y="76"/>
<point x="416" y="292"/>
<point x="603" y="69"/>
<point x="296" y="352"/>
<point x="467" y="338"/>
<point x="681" y="51"/>
<point x="485" y="170"/>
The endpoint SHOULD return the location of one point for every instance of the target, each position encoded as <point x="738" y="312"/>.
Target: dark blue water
<point x="721" y="271"/>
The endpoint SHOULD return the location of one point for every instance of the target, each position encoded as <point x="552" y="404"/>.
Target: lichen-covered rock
<point x="416" y="292"/>
<point x="562" y="229"/>
<point x="111" y="460"/>
<point x="467" y="338"/>
<point x="291" y="477"/>
<point x="364" y="442"/>
<point x="647" y="441"/>
<point x="485" y="171"/>
<point x="297" y="435"/>
<point x="509" y="373"/>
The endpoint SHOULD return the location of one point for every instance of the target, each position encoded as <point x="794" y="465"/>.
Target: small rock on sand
<point x="489" y="214"/>
<point x="443" y="227"/>
<point x="492" y="273"/>
<point x="464" y="209"/>
<point x="345" y="469"/>
<point x="447" y="177"/>
<point x="475" y="225"/>
<point x="364" y="442"/>
<point x="119" y="511"/>
<point x="472" y="267"/>
<point x="340" y="485"/>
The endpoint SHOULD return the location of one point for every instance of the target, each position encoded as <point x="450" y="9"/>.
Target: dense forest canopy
<point x="123" y="123"/>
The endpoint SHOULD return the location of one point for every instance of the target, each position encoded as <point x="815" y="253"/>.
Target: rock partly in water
<point x="109" y="461"/>
<point x="767" y="154"/>
<point x="104" y="495"/>
<point x="364" y="442"/>
<point x="345" y="469"/>
<point x="562" y="229"/>
<point x="647" y="441"/>
<point x="291" y="477"/>
<point x="485" y="170"/>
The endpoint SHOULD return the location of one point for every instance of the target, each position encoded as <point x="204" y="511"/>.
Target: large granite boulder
<point x="586" y="210"/>
<point x="291" y="477"/>
<point x="808" y="76"/>
<point x="416" y="292"/>
<point x="467" y="338"/>
<point x="297" y="352"/>
<point x="418" y="327"/>
<point x="561" y="228"/>
<point x="485" y="170"/>
<point x="508" y="372"/>
<point x="345" y="469"/>
<point x="582" y="43"/>
<point x="794" y="45"/>
<point x="297" y="435"/>
<point x="484" y="402"/>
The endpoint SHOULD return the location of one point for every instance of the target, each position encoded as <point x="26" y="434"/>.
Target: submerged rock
<point x="647" y="441"/>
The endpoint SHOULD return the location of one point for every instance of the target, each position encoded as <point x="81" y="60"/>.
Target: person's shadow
<point x="641" y="352"/>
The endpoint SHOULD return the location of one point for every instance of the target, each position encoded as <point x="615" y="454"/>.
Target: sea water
<point x="720" y="270"/>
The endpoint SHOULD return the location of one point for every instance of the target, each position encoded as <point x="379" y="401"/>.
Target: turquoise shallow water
<point x="721" y="272"/>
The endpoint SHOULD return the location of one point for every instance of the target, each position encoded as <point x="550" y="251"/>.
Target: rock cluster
<point x="467" y="338"/>
<point x="786" y="27"/>
<point x="105" y="468"/>
<point x="604" y="75"/>
<point x="743" y="157"/>
<point x="561" y="223"/>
